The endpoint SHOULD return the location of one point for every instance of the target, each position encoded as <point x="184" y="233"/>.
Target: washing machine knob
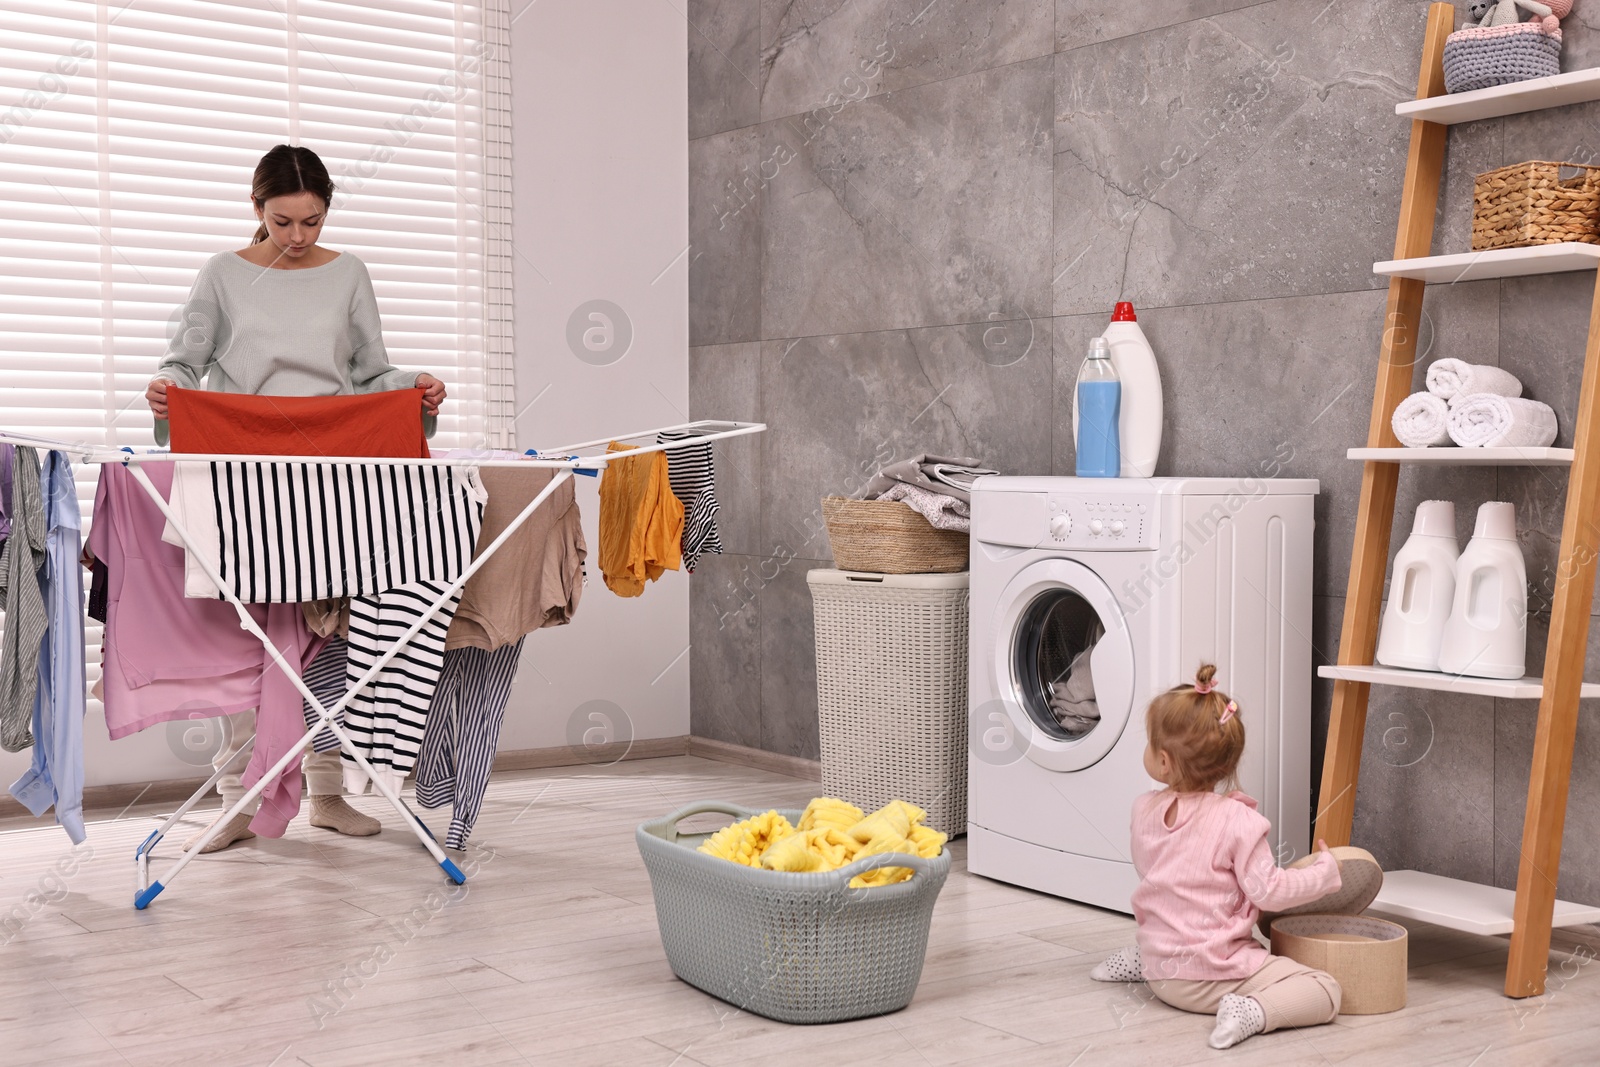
<point x="1116" y="526"/>
<point x="1096" y="526"/>
<point x="1060" y="526"/>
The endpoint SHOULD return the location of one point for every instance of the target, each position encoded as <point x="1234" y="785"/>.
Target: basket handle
<point x="703" y="807"/>
<point x="881" y="859"/>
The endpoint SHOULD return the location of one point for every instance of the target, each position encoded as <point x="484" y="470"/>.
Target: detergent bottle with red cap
<point x="1142" y="412"/>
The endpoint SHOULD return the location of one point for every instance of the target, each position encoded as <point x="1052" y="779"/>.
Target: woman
<point x="284" y="317"/>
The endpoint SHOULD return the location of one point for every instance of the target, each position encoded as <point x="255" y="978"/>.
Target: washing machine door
<point x="1064" y="665"/>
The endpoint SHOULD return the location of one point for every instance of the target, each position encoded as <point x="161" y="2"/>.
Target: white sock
<point x="1237" y="1018"/>
<point x="1123" y="965"/>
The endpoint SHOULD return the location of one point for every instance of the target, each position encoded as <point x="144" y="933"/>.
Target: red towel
<point x="375" y="425"/>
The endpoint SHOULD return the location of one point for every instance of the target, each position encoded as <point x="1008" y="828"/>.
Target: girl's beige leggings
<point x="1290" y="993"/>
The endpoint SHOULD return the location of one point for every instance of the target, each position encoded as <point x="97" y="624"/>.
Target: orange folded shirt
<point x="384" y="425"/>
<point x="641" y="522"/>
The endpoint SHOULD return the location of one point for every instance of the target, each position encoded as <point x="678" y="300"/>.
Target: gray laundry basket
<point x="892" y="690"/>
<point x="799" y="948"/>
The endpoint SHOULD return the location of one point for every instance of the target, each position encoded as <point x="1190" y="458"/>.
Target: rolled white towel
<point x="1454" y="379"/>
<point x="1422" y="419"/>
<point x="1485" y="420"/>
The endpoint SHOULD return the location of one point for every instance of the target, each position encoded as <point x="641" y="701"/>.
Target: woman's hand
<point x="156" y="395"/>
<point x="433" y="394"/>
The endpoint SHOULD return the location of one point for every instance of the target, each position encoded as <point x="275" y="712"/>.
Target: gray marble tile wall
<point x="908" y="218"/>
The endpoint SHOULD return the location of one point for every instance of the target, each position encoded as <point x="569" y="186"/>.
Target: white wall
<point x="601" y="178"/>
<point x="600" y="127"/>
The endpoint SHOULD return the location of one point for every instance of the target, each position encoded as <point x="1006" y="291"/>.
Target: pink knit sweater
<point x="1205" y="880"/>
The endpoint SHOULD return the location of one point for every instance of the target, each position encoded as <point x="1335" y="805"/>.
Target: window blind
<point x="128" y="135"/>
<point x="129" y="131"/>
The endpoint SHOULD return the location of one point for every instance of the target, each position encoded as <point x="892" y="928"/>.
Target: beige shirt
<point x="536" y="578"/>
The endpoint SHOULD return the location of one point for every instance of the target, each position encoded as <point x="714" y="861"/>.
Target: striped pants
<point x="463" y="731"/>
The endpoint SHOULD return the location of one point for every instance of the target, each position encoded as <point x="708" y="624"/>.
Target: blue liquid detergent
<point x="1099" y="408"/>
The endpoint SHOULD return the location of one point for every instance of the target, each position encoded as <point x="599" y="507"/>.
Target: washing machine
<point x="1139" y="582"/>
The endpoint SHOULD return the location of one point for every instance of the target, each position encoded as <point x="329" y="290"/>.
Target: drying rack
<point x="566" y="460"/>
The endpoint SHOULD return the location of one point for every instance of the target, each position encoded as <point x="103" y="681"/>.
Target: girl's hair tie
<point x="1204" y="687"/>
<point x="1227" y="713"/>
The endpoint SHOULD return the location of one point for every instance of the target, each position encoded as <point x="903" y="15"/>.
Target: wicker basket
<point x="1533" y="204"/>
<point x="892" y="690"/>
<point x="887" y="537"/>
<point x="799" y="948"/>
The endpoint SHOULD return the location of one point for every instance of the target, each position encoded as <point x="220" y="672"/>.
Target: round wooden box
<point x="1367" y="956"/>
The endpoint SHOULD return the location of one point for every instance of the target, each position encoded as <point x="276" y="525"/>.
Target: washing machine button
<point x="1096" y="526"/>
<point x="1116" y="526"/>
<point x="1060" y="526"/>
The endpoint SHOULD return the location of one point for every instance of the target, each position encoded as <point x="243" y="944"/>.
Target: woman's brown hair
<point x="284" y="171"/>
<point x="1198" y="727"/>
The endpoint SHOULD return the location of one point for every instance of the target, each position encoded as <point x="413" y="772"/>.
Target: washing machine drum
<point x="1064" y="665"/>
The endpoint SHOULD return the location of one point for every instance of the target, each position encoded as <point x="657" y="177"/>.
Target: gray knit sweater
<point x="313" y="331"/>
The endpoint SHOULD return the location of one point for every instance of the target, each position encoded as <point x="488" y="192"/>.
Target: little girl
<point x="1206" y="874"/>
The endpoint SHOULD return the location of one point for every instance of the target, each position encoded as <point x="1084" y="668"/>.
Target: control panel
<point x="1107" y="524"/>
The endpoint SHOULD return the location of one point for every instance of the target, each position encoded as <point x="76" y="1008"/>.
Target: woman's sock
<point x="1122" y="965"/>
<point x="1237" y="1018"/>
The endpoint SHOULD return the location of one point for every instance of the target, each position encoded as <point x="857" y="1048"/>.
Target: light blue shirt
<point x="56" y="777"/>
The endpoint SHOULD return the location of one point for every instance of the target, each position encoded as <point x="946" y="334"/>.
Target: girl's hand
<point x="1322" y="846"/>
<point x="156" y="395"/>
<point x="434" y="394"/>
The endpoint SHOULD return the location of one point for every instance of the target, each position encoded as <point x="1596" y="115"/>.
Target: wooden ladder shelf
<point x="1535" y="905"/>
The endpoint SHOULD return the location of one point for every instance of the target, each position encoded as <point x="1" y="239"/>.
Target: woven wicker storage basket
<point x="892" y="690"/>
<point x="799" y="948"/>
<point x="887" y="537"/>
<point x="1533" y="204"/>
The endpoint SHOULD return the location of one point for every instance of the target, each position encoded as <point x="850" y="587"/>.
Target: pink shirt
<point x="1205" y="880"/>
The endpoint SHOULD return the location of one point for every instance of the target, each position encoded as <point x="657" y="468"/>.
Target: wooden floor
<point x="333" y="952"/>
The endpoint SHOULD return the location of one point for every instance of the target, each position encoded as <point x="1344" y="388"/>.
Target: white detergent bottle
<point x="1142" y="413"/>
<point x="1421" y="590"/>
<point x="1487" y="635"/>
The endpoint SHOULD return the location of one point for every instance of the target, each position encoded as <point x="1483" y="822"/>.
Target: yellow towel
<point x="829" y="813"/>
<point x="831" y="834"/>
<point x="744" y="842"/>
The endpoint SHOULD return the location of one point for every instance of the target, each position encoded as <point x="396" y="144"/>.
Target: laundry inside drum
<point x="1054" y="643"/>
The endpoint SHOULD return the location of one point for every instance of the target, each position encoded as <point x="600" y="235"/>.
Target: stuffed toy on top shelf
<point x="1505" y="41"/>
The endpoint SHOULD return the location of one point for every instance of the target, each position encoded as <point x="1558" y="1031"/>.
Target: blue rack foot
<point x="142" y="899"/>
<point x="452" y="870"/>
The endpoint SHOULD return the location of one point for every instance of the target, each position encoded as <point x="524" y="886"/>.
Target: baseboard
<point x="101" y="799"/>
<point x="534" y="759"/>
<point x="807" y="770"/>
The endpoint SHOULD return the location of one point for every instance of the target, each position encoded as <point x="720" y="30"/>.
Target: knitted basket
<point x="1478" y="57"/>
<point x="799" y="948"/>
<point x="888" y="537"/>
<point x="1533" y="204"/>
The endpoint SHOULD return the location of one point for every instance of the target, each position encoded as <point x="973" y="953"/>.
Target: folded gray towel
<point x="942" y="512"/>
<point x="950" y="476"/>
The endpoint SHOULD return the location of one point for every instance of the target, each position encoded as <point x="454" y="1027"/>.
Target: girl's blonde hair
<point x="1199" y="728"/>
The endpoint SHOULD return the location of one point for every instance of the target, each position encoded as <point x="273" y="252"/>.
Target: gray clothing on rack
<point x="23" y="598"/>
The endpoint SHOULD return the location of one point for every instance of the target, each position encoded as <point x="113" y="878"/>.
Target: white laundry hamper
<point x="892" y="690"/>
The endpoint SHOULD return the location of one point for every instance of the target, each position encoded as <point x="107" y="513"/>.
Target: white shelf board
<point x="1536" y="94"/>
<point x="1465" y="906"/>
<point x="1451" y="456"/>
<point x="1495" y="263"/>
<point x="1506" y="688"/>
